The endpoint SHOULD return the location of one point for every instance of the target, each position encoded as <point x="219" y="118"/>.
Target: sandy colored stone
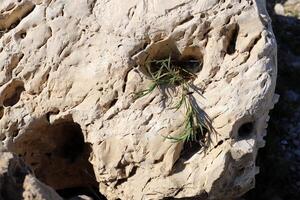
<point x="69" y="71"/>
<point x="292" y="8"/>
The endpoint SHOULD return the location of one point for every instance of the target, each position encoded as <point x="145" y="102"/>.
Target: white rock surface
<point x="69" y="71"/>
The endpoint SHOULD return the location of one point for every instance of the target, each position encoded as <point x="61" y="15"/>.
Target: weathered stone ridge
<point x="69" y="71"/>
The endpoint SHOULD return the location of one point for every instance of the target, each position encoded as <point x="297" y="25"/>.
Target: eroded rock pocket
<point x="1" y="112"/>
<point x="156" y="54"/>
<point x="10" y="95"/>
<point x="246" y="130"/>
<point x="59" y="156"/>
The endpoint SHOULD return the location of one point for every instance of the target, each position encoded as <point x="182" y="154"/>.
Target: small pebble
<point x="279" y="9"/>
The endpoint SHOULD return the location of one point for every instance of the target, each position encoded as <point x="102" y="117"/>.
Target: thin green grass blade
<point x="163" y="73"/>
<point x="143" y="93"/>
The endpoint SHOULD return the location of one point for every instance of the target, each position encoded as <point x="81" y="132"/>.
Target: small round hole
<point x="229" y="6"/>
<point x="245" y="130"/>
<point x="23" y="35"/>
<point x="15" y="133"/>
<point x="191" y="64"/>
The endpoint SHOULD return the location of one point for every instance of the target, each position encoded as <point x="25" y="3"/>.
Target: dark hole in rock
<point x="164" y="52"/>
<point x="186" y="68"/>
<point x="220" y="142"/>
<point x="20" y="34"/>
<point x="13" y="96"/>
<point x="121" y="181"/>
<point x="1" y="112"/>
<point x="73" y="147"/>
<point x="233" y="39"/>
<point x="145" y="44"/>
<point x="113" y="102"/>
<point x="246" y="130"/>
<point x="229" y="6"/>
<point x="190" y="63"/>
<point x="15" y="133"/>
<point x="48" y="115"/>
<point x="57" y="153"/>
<point x="23" y="35"/>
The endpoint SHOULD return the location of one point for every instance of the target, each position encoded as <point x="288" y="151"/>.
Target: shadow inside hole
<point x="233" y="33"/>
<point x="57" y="153"/>
<point x="1" y="112"/>
<point x="172" y="71"/>
<point x="51" y="113"/>
<point x="189" y="63"/>
<point x="170" y="67"/>
<point x="14" y="97"/>
<point x="20" y="35"/>
<point x="246" y="130"/>
<point x="73" y="145"/>
<point x="189" y="59"/>
<point x="192" y="59"/>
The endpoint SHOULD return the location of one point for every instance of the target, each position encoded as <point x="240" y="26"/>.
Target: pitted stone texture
<point x="80" y="63"/>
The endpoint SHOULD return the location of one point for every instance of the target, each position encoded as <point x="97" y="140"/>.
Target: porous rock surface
<point x="69" y="71"/>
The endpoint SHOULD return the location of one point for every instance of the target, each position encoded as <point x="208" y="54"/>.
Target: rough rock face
<point x="68" y="76"/>
<point x="17" y="182"/>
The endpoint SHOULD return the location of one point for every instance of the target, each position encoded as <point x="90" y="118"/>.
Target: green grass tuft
<point x="163" y="72"/>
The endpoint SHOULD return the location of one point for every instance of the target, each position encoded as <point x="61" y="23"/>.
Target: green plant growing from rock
<point x="168" y="73"/>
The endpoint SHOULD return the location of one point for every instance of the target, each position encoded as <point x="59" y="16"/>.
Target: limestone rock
<point x="68" y="76"/>
<point x="17" y="182"/>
